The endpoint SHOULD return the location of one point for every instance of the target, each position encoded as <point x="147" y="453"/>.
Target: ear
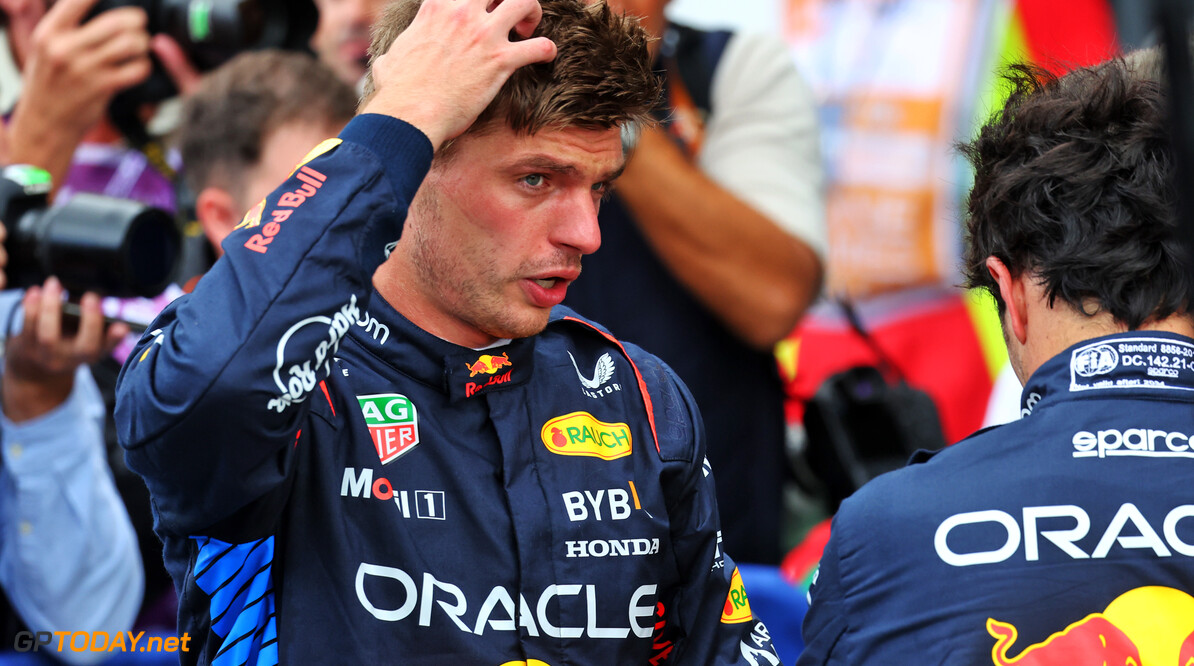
<point x="1014" y="295"/>
<point x="218" y="212"/>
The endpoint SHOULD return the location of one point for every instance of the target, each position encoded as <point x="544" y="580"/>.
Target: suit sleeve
<point x="708" y="620"/>
<point x="210" y="402"/>
<point x="825" y="622"/>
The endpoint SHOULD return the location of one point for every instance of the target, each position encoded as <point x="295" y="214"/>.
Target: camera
<point x="116" y="247"/>
<point x="213" y="31"/>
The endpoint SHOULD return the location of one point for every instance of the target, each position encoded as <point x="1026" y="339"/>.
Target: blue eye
<point x="534" y="179"/>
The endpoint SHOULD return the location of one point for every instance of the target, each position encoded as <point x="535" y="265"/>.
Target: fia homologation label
<point x="1125" y="362"/>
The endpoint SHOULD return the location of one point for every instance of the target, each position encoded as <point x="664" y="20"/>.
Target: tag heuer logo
<point x="393" y="423"/>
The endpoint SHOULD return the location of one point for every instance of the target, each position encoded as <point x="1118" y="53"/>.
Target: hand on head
<point x="443" y="70"/>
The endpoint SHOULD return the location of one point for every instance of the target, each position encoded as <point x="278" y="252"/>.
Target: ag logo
<point x="393" y="422"/>
<point x="737" y="608"/>
<point x="579" y="434"/>
<point x="1094" y="360"/>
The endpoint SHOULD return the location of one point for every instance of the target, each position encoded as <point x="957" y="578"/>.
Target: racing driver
<point x="370" y="433"/>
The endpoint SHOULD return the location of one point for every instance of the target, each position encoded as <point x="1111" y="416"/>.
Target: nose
<point x="576" y="224"/>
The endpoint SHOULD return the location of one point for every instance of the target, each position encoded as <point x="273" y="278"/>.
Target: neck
<point x="396" y="282"/>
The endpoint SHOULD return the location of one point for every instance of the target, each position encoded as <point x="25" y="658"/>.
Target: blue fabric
<point x="779" y="603"/>
<point x="238" y="580"/>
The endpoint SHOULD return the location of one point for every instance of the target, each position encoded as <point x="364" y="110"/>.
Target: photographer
<point x="70" y="69"/>
<point x="68" y="554"/>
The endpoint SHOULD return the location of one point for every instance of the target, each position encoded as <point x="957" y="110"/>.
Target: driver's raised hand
<point x="444" y="69"/>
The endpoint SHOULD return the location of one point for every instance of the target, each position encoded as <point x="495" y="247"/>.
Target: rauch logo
<point x="737" y="608"/>
<point x="393" y="423"/>
<point x="579" y="434"/>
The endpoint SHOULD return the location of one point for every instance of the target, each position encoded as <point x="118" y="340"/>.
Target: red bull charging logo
<point x="488" y="365"/>
<point x="1147" y="626"/>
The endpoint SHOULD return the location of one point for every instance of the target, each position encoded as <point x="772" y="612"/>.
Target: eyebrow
<point x="544" y="163"/>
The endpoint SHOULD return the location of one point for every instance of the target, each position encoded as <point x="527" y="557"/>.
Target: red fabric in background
<point x="1064" y="34"/>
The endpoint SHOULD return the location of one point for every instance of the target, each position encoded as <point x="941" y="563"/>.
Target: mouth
<point x="549" y="290"/>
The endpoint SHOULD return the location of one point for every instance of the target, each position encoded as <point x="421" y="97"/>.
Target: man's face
<point x="341" y="38"/>
<point x="496" y="232"/>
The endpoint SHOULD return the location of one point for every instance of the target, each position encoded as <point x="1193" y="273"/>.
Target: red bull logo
<point x="1147" y="626"/>
<point x="488" y="365"/>
<point x="253" y="217"/>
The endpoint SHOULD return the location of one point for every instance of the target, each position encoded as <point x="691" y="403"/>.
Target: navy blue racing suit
<point x="335" y="485"/>
<point x="1066" y="537"/>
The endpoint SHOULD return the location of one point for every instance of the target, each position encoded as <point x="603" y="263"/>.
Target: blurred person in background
<point x="712" y="249"/>
<point x="68" y="554"/>
<point x="248" y="124"/>
<point x="69" y="68"/>
<point x="60" y="71"/>
<point x="897" y="83"/>
<point x="341" y="38"/>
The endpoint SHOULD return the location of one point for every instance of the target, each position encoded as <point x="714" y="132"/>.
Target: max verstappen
<point x="371" y="434"/>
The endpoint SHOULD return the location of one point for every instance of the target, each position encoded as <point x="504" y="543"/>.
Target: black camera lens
<point x="113" y="246"/>
<point x="116" y="247"/>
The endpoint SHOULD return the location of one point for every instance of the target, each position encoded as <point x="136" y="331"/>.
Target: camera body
<point x="213" y="31"/>
<point x="116" y="247"/>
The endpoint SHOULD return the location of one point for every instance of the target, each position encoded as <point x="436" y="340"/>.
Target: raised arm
<point x="208" y="404"/>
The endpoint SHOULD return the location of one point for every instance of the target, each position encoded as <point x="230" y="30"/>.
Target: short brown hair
<point x="601" y="76"/>
<point x="228" y="117"/>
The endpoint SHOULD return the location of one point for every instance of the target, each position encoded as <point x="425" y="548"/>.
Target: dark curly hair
<point x="1074" y="184"/>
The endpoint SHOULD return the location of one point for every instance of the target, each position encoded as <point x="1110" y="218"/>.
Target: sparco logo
<point x="1092" y="361"/>
<point x="300" y="379"/>
<point x="1139" y="442"/>
<point x="391" y="595"/>
<point x="595" y="386"/>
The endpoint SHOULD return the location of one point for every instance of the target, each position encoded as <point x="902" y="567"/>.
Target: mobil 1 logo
<point x="393" y="424"/>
